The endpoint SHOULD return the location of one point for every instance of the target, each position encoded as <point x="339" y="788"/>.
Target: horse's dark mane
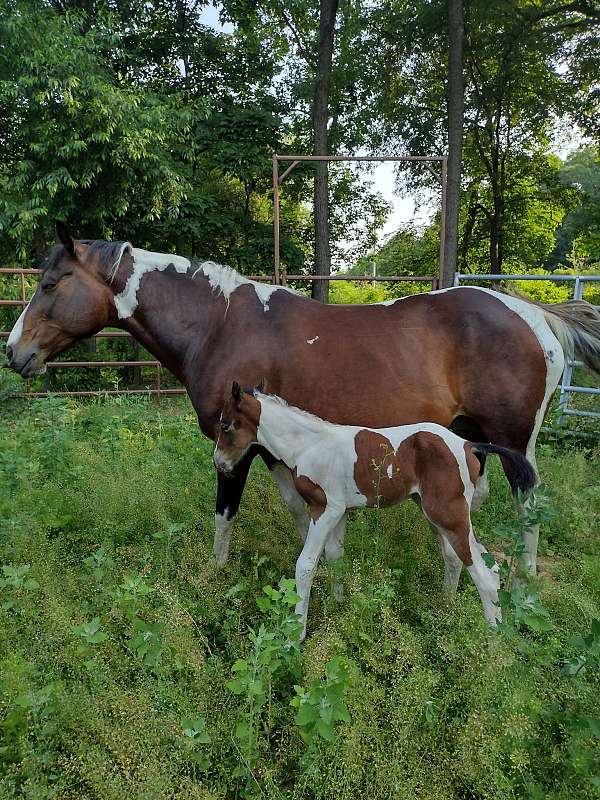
<point x="107" y="253"/>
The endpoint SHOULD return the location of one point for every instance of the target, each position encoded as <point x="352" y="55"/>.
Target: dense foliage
<point x="131" y="666"/>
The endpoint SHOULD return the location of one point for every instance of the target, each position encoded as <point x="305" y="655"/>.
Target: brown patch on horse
<point x="312" y="493"/>
<point x="424" y="461"/>
<point x="375" y="459"/>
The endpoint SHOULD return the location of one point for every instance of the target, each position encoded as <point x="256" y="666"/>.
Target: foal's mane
<point x="310" y="419"/>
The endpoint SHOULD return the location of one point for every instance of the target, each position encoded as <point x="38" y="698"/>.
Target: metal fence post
<point x="565" y="383"/>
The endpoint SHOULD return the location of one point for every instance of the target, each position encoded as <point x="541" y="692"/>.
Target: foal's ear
<point x="236" y="391"/>
<point x="65" y="237"/>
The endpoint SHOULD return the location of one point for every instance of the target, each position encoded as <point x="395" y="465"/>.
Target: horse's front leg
<point x="295" y="503"/>
<point x="306" y="566"/>
<point x="229" y="493"/>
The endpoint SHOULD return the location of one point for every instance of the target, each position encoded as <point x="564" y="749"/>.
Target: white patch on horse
<point x="17" y="330"/>
<point x="144" y="261"/>
<point x="535" y="318"/>
<point x="485" y="579"/>
<point x="224" y="280"/>
<point x="312" y="341"/>
<point x="222" y="536"/>
<point x="390" y="471"/>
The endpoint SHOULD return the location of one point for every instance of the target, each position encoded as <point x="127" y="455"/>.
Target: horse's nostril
<point x="9" y="353"/>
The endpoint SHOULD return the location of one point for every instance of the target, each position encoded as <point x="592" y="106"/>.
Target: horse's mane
<point x="307" y="417"/>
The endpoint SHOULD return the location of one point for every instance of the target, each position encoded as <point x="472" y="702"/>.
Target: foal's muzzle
<point x="223" y="464"/>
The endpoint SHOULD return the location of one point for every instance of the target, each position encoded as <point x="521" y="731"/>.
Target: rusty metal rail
<point x="157" y="389"/>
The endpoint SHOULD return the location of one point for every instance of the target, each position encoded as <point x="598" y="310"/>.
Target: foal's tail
<point x="576" y="325"/>
<point x="521" y="475"/>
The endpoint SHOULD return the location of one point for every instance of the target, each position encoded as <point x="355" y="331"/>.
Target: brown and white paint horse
<point x="481" y="363"/>
<point x="338" y="467"/>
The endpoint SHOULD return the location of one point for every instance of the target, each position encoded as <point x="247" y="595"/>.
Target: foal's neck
<point x="287" y="431"/>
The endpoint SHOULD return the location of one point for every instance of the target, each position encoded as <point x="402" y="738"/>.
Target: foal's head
<point x="236" y="430"/>
<point x="73" y="300"/>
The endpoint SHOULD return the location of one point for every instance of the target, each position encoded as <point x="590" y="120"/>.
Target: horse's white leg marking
<point x="334" y="551"/>
<point x="223" y="528"/>
<point x="486" y="580"/>
<point x="452" y="563"/>
<point x="306" y="566"/>
<point x="531" y="535"/>
<point x="294" y="502"/>
<point x="482" y="490"/>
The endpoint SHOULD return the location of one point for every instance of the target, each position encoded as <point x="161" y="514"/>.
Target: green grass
<point x="95" y="721"/>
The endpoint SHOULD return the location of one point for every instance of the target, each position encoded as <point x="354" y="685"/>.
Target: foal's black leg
<point x="229" y="494"/>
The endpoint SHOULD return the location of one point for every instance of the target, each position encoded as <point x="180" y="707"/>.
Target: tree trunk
<point x="496" y="233"/>
<point x="456" y="101"/>
<point x="328" y="11"/>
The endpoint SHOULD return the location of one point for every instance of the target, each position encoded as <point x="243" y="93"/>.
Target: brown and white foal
<point x="337" y="467"/>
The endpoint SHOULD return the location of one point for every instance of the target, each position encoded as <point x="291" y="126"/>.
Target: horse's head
<point x="73" y="300"/>
<point x="236" y="430"/>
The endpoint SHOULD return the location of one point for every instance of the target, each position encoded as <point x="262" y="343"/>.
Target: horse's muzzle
<point x="27" y="364"/>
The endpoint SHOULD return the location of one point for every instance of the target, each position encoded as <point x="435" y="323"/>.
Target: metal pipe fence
<point x="156" y="388"/>
<point x="566" y="386"/>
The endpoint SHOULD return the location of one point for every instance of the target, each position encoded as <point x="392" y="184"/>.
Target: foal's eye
<point x="49" y="287"/>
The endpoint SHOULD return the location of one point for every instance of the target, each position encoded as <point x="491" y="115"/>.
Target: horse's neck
<point x="172" y="316"/>
<point x="286" y="431"/>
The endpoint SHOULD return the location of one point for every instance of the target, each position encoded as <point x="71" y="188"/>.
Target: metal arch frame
<point x="278" y="179"/>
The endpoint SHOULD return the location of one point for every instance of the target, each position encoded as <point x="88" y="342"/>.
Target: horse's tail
<point x="522" y="476"/>
<point x="576" y="325"/>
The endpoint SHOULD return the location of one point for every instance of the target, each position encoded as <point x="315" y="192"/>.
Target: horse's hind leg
<point x="485" y="579"/>
<point x="531" y="535"/>
<point x="452" y="563"/>
<point x="334" y="551"/>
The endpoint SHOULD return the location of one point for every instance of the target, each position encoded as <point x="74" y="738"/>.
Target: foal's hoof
<point x="338" y="592"/>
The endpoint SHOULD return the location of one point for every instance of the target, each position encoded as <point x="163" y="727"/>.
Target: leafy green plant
<point x="273" y="646"/>
<point x="431" y="713"/>
<point x="91" y="635"/>
<point x="169" y="537"/>
<point x="518" y="595"/>
<point x="195" y="733"/>
<point x="16" y="584"/>
<point x="322" y="705"/>
<point x="588" y="653"/>
<point x="147" y="642"/>
<point x="99" y="564"/>
<point x="130" y="594"/>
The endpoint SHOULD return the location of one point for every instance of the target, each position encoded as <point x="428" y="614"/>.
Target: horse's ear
<point x="65" y="237"/>
<point x="236" y="391"/>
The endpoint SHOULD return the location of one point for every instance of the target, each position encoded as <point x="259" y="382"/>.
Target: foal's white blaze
<point x="17" y="330"/>
<point x="145" y="261"/>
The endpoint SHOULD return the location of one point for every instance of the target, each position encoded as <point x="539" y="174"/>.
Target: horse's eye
<point x="226" y="426"/>
<point x="49" y="287"/>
